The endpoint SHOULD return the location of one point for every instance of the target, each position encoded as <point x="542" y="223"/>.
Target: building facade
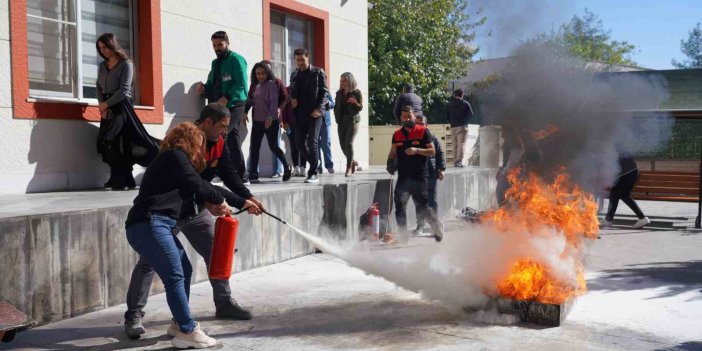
<point x="48" y="108"/>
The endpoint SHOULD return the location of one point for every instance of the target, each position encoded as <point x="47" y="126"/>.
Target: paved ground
<point x="644" y="294"/>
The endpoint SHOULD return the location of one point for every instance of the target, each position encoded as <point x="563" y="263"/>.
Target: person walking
<point x="171" y="180"/>
<point x="621" y="190"/>
<point x="407" y="98"/>
<point x="458" y="114"/>
<point x="288" y="124"/>
<point x="435" y="167"/>
<point x="226" y="85"/>
<point x="325" y="152"/>
<point x="266" y="120"/>
<point x="411" y="148"/>
<point x="122" y="140"/>
<point x="309" y="95"/>
<point x="197" y="225"/>
<point x="347" y="113"/>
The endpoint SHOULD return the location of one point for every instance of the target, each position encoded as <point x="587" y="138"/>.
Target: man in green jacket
<point x="227" y="85"/>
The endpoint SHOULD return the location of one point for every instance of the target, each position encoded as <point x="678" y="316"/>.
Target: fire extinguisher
<point x="222" y="258"/>
<point x="374" y="221"/>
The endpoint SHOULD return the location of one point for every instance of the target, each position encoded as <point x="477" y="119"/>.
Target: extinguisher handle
<point x="239" y="212"/>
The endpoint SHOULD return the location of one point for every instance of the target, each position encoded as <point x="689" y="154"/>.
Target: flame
<point x="535" y="206"/>
<point x="542" y="134"/>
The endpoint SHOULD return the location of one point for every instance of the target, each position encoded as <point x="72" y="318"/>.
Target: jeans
<point x="419" y="192"/>
<point x="307" y="140"/>
<point x="272" y="134"/>
<point x="234" y="139"/>
<point x="294" y="153"/>
<point x="431" y="192"/>
<point x="153" y="239"/>
<point x="458" y="138"/>
<point x="622" y="191"/>
<point x="347" y="132"/>
<point x="199" y="230"/>
<point x="325" y="147"/>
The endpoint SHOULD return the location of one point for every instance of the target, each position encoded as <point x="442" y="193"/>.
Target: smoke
<point x="543" y="86"/>
<point x="461" y="271"/>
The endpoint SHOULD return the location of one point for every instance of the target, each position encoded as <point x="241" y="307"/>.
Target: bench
<point x="667" y="186"/>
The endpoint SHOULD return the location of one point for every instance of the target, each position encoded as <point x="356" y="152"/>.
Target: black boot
<point x="232" y="310"/>
<point x="114" y="178"/>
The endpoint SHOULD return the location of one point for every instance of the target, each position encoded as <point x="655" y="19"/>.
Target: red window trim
<point x="150" y="70"/>
<point x="319" y="18"/>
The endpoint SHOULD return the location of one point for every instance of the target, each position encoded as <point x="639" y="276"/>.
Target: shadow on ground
<point x="676" y="277"/>
<point x="685" y="346"/>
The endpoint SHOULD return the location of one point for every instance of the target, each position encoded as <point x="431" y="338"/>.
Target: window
<point x="62" y="58"/>
<point x="289" y="32"/>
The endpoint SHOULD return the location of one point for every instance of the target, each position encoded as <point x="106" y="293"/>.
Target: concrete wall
<point x="63" y="264"/>
<point x="50" y="155"/>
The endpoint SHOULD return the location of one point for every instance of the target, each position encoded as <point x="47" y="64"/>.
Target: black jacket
<point x="410" y="99"/>
<point x="437" y="162"/>
<point x="311" y="93"/>
<point x="169" y="181"/>
<point x="458" y="112"/>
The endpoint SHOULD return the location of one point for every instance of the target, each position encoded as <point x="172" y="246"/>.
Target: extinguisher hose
<point x="264" y="211"/>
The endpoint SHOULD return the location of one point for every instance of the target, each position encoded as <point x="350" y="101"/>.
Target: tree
<point x="423" y="42"/>
<point x="586" y="38"/>
<point x="692" y="48"/>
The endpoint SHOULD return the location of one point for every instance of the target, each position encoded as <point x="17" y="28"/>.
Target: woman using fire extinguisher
<point x="171" y="178"/>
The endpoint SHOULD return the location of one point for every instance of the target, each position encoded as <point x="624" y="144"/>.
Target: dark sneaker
<point x="439" y="235"/>
<point x="287" y="173"/>
<point x="330" y="170"/>
<point x="254" y="181"/>
<point x="232" y="310"/>
<point x="312" y="179"/>
<point x="133" y="327"/>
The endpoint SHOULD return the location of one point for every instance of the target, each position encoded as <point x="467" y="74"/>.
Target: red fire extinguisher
<point x="374" y="221"/>
<point x="222" y="258"/>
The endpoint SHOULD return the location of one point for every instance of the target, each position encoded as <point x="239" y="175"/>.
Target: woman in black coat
<point x="122" y="140"/>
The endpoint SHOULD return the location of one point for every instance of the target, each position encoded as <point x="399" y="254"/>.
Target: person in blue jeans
<point x="325" y="138"/>
<point x="171" y="180"/>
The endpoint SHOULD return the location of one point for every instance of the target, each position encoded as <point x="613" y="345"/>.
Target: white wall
<point x="51" y="155"/>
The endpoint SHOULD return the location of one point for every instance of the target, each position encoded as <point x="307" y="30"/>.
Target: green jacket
<point x="234" y="80"/>
<point x="345" y="112"/>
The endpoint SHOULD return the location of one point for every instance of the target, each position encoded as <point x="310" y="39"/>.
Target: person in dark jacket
<point x="288" y="124"/>
<point x="226" y="85"/>
<point x="197" y="224"/>
<point x="169" y="182"/>
<point x="409" y="155"/>
<point x="436" y="166"/>
<point x="309" y="95"/>
<point x="621" y="190"/>
<point x="347" y="113"/>
<point x="458" y="114"/>
<point x="122" y="139"/>
<point x="407" y="98"/>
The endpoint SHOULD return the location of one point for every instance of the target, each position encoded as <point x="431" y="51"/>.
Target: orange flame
<point x="542" y="134"/>
<point x="534" y="205"/>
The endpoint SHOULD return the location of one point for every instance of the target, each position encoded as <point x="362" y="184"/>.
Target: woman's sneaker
<point x="641" y="223"/>
<point x="195" y="339"/>
<point x="173" y="329"/>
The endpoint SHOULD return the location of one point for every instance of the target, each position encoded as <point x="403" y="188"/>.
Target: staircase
<point x="667" y="186"/>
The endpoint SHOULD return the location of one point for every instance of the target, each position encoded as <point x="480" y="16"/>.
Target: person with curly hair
<point x="171" y="180"/>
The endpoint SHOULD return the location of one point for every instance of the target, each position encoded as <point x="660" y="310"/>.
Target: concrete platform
<point x="644" y="294"/>
<point x="65" y="254"/>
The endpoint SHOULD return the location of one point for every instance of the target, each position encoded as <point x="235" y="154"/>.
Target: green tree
<point x="586" y="38"/>
<point x="692" y="48"/>
<point x="422" y="42"/>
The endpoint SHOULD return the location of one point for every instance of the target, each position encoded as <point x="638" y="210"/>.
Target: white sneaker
<point x="641" y="223"/>
<point x="173" y="329"/>
<point x="196" y="339"/>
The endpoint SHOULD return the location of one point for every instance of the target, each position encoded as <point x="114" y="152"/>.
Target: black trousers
<point x="431" y="192"/>
<point x="234" y="139"/>
<point x="258" y="130"/>
<point x="622" y="191"/>
<point x="418" y="189"/>
<point x="307" y="140"/>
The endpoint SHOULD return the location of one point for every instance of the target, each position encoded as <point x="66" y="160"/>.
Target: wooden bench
<point x="667" y="186"/>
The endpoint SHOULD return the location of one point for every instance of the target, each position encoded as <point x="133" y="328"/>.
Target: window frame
<point x="320" y="22"/>
<point x="148" y="66"/>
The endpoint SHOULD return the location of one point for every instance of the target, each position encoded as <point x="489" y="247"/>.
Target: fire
<point x="542" y="134"/>
<point x="540" y="208"/>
